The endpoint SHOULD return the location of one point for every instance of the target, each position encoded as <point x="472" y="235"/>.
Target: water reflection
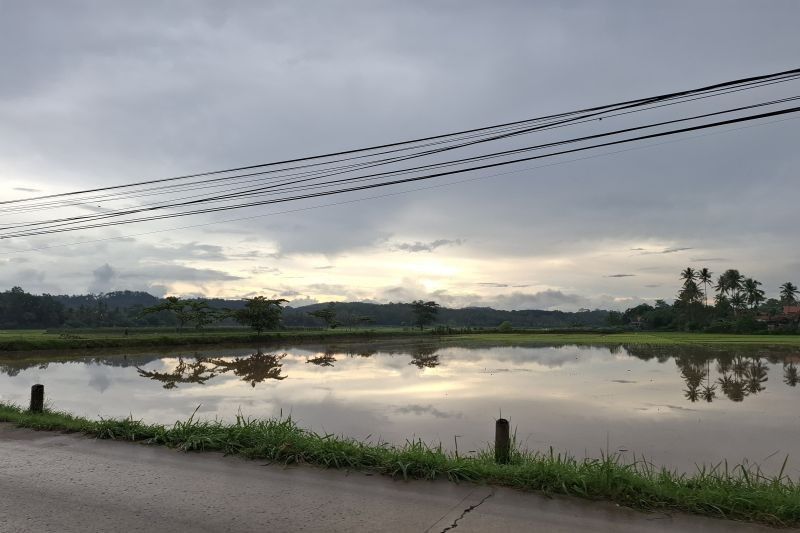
<point x="425" y="357"/>
<point x="708" y="374"/>
<point x="253" y="369"/>
<point x="184" y="372"/>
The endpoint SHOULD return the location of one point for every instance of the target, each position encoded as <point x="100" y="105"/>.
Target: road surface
<point x="70" y="483"/>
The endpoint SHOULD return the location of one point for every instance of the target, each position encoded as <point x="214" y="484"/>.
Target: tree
<point x="201" y="315"/>
<point x="688" y="275"/>
<point x="327" y="315"/>
<point x="424" y="312"/>
<point x="704" y="277"/>
<point x="738" y="302"/>
<point x="730" y="282"/>
<point x="175" y="305"/>
<point x="788" y="293"/>
<point x="752" y="293"/>
<point x="260" y="313"/>
<point x="690" y="293"/>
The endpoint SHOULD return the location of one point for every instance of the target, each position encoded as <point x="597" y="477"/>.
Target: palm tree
<point x="753" y="294"/>
<point x="704" y="277"/>
<point x="690" y="293"/>
<point x="789" y="293"/>
<point x="688" y="275"/>
<point x="738" y="302"/>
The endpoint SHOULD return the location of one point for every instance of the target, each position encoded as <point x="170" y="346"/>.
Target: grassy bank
<point x="629" y="338"/>
<point x="28" y="340"/>
<point x="733" y="493"/>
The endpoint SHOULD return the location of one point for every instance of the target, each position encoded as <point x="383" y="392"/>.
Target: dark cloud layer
<point x="105" y="93"/>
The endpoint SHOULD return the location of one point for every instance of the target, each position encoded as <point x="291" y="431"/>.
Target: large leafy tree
<point x="179" y="307"/>
<point x="260" y="313"/>
<point x="327" y="314"/>
<point x="424" y="312"/>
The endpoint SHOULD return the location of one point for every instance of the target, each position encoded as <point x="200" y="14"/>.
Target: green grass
<point x="28" y="340"/>
<point x="644" y="337"/>
<point x="735" y="493"/>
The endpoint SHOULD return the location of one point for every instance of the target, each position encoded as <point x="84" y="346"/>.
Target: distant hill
<point x="399" y="314"/>
<point x="122" y="308"/>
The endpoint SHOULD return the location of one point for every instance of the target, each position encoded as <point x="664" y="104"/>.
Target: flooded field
<point x="674" y="406"/>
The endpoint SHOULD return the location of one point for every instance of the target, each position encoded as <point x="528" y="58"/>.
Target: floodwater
<point x="674" y="406"/>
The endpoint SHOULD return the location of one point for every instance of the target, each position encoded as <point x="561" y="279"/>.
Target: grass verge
<point x="735" y="493"/>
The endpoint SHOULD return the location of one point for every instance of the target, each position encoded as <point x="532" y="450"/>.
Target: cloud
<point x="495" y="284"/>
<point x="620" y="275"/>
<point x="102" y="279"/>
<point x="418" y="246"/>
<point x="26" y="189"/>
<point x="709" y="259"/>
<point x="665" y="250"/>
<point x="130" y="112"/>
<point x="421" y="410"/>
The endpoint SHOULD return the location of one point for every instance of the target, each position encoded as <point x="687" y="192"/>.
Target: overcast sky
<point x="102" y="93"/>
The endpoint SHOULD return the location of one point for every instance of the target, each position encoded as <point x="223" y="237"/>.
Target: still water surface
<point x="676" y="406"/>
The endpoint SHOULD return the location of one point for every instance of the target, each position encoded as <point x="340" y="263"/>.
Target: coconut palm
<point x="688" y="275"/>
<point x="752" y="293"/>
<point x="690" y="293"/>
<point x="789" y="293"/>
<point x="704" y="277"/>
<point x="738" y="302"/>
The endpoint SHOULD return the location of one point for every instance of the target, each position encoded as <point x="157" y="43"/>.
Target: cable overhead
<point x="640" y="101"/>
<point x="352" y="170"/>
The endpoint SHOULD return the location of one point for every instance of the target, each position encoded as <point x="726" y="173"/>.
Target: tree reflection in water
<point x="184" y="372"/>
<point x="790" y="376"/>
<point x="425" y="357"/>
<point x="326" y="359"/>
<point x="253" y="369"/>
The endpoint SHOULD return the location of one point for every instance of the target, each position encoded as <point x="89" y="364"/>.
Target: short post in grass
<point x="502" y="441"/>
<point x="37" y="399"/>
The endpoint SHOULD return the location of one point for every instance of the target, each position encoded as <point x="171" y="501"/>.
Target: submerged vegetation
<point x="721" y="491"/>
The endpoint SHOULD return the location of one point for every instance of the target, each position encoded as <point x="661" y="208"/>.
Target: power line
<point x="788" y="74"/>
<point x="409" y="180"/>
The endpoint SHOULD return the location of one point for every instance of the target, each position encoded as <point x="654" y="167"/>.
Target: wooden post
<point x="37" y="399"/>
<point x="502" y="441"/>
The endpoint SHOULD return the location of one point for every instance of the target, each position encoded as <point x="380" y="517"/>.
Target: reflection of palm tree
<point x="790" y="376"/>
<point x="253" y="369"/>
<point x="709" y="390"/>
<point x="756" y="374"/>
<point x="425" y="357"/>
<point x="196" y="372"/>
<point x="691" y="393"/>
<point x="737" y="391"/>
<point x="693" y="374"/>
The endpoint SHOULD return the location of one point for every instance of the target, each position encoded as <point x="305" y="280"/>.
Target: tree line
<point x="126" y="309"/>
<point x="734" y="303"/>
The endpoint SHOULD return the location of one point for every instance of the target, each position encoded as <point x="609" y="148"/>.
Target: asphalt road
<point x="68" y="483"/>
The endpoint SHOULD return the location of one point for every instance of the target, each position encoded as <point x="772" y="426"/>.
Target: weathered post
<point x="502" y="441"/>
<point x="37" y="399"/>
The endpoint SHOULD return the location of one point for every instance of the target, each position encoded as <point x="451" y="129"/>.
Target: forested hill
<point x="19" y="309"/>
<point x="399" y="314"/>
